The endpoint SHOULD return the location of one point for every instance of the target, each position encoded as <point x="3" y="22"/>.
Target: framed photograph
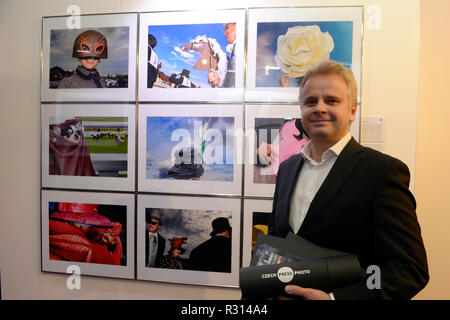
<point x="188" y="240"/>
<point x="200" y="52"/>
<point x="284" y="42"/>
<point x="91" y="232"/>
<point x="94" y="62"/>
<point x="191" y="149"/>
<point x="256" y="221"/>
<point x="88" y="146"/>
<point x="273" y="134"/>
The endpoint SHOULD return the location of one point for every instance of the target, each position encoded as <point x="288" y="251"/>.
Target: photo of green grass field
<point x="106" y="139"/>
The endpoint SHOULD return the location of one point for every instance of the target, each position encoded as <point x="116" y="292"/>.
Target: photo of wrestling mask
<point x="90" y="44"/>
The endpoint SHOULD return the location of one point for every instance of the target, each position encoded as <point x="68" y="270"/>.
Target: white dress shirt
<point x="311" y="177"/>
<point x="152" y="248"/>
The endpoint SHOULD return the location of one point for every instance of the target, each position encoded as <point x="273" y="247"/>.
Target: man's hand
<point x="306" y="293"/>
<point x="213" y="77"/>
<point x="266" y="153"/>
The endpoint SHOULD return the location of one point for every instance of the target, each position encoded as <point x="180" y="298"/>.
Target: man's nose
<point x="320" y="106"/>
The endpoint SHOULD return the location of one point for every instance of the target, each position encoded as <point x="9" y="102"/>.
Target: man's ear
<point x="353" y="110"/>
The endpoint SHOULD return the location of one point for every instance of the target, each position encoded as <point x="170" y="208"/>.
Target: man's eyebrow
<point x="309" y="97"/>
<point x="334" y="96"/>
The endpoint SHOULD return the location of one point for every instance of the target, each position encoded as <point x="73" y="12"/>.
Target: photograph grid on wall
<point x="115" y="130"/>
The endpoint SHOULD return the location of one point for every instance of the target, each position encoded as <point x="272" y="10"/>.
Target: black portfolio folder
<point x="277" y="262"/>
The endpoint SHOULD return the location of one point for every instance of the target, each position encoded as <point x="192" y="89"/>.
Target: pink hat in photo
<point x="81" y="213"/>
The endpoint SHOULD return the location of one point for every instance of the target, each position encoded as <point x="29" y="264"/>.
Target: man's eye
<point x="310" y="102"/>
<point x="332" y="101"/>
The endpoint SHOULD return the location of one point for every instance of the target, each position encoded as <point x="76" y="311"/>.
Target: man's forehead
<point x="324" y="83"/>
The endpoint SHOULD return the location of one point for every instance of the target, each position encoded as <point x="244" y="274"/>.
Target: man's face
<point x="230" y="32"/>
<point x="326" y="113"/>
<point x="89" y="63"/>
<point x="153" y="225"/>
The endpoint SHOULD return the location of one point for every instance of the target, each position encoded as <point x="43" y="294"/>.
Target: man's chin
<point x="319" y="133"/>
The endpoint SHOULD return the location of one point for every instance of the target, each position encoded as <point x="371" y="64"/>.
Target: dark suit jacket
<point x="161" y="248"/>
<point x="212" y="255"/>
<point x="363" y="207"/>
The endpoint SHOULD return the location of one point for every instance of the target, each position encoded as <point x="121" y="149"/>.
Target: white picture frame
<point x="181" y="125"/>
<point x="173" y="60"/>
<point x="59" y="113"/>
<point x="87" y="268"/>
<point x="261" y="56"/>
<point x="252" y="186"/>
<point x="117" y="54"/>
<point x="252" y="206"/>
<point x="196" y="225"/>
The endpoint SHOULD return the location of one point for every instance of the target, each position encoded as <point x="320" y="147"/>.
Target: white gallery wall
<point x="390" y="77"/>
<point x="433" y="152"/>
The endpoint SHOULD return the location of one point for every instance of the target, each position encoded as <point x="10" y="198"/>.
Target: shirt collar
<point x="333" y="151"/>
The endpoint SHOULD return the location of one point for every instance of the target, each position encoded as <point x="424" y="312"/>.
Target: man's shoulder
<point x="379" y="157"/>
<point x="377" y="160"/>
<point x="289" y="165"/>
<point x="74" y="81"/>
<point x="201" y="247"/>
<point x="67" y="82"/>
<point x="291" y="161"/>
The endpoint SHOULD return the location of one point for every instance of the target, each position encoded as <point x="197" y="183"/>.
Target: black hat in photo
<point x="152" y="41"/>
<point x="220" y="225"/>
<point x="185" y="73"/>
<point x="188" y="164"/>
<point x="154" y="214"/>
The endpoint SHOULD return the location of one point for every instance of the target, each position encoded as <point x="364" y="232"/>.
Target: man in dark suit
<point x="153" y="64"/>
<point x="155" y="244"/>
<point x="215" y="253"/>
<point x="343" y="196"/>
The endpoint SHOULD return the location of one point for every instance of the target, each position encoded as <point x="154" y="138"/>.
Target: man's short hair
<point x="333" y="67"/>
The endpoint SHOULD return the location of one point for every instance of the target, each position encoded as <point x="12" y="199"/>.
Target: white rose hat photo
<point x="284" y="42"/>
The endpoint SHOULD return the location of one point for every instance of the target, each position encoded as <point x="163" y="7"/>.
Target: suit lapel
<point x="344" y="165"/>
